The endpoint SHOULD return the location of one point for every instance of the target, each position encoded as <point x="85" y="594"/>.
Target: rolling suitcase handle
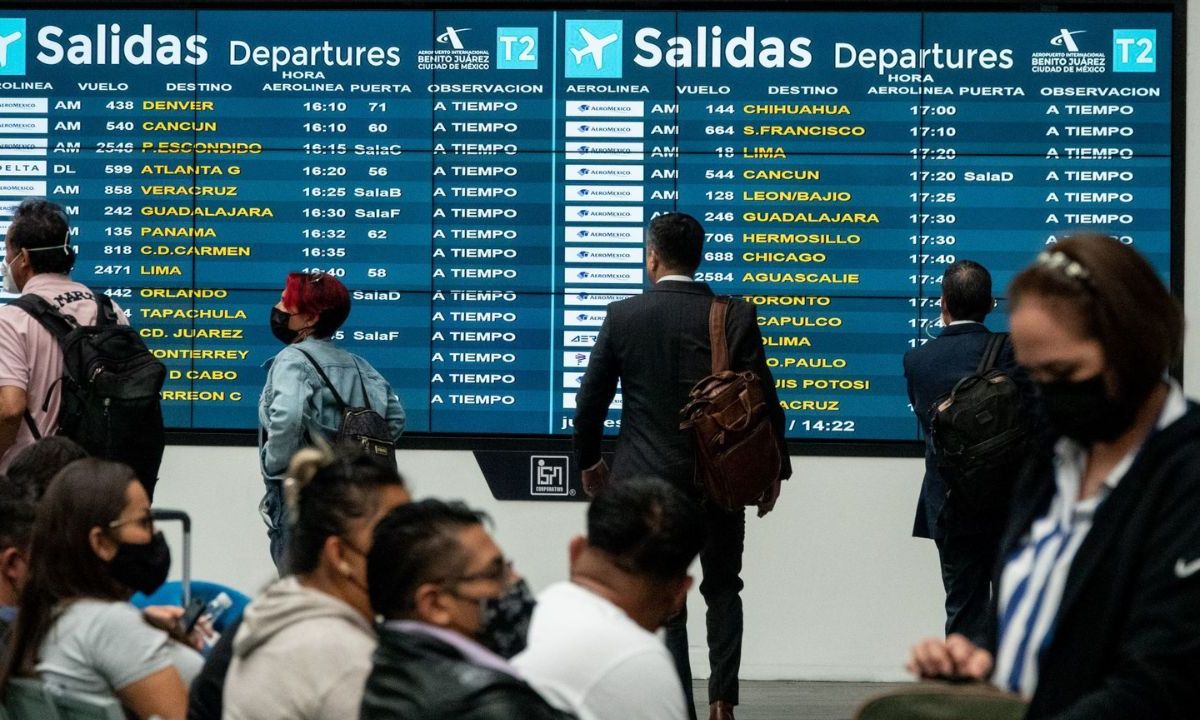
<point x="164" y="515"/>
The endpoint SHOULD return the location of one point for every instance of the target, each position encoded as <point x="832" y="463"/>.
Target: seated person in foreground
<point x="94" y="545"/>
<point x="16" y="527"/>
<point x="34" y="467"/>
<point x="304" y="646"/>
<point x="444" y="590"/>
<point x="592" y="647"/>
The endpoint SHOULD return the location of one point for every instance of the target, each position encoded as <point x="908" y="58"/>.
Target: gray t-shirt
<point x="97" y="647"/>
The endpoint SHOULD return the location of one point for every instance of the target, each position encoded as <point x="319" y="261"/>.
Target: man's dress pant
<point x="721" y="587"/>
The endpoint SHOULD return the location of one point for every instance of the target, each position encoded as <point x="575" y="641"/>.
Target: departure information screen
<point x="481" y="180"/>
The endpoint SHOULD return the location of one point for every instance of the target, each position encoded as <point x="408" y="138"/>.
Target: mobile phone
<point x="191" y="615"/>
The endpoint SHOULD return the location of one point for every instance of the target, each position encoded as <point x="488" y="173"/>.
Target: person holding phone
<point x="94" y="545"/>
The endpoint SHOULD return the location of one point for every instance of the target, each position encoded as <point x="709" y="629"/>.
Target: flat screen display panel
<point x="480" y="180"/>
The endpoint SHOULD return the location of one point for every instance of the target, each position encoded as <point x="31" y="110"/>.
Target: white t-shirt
<point x="97" y="647"/>
<point x="587" y="656"/>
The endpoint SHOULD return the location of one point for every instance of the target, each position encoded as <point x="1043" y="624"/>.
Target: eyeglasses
<point x="146" y="522"/>
<point x="500" y="570"/>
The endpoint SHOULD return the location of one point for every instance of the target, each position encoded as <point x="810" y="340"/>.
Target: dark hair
<point x="416" y="544"/>
<point x="319" y="294"/>
<point x="63" y="566"/>
<point x="16" y="515"/>
<point x="40" y="226"/>
<point x="331" y="490"/>
<point x="648" y="526"/>
<point x="34" y="467"/>
<point x="678" y="240"/>
<point x="1112" y="294"/>
<point x="967" y="291"/>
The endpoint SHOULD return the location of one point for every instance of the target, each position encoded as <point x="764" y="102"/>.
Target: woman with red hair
<point x="305" y="381"/>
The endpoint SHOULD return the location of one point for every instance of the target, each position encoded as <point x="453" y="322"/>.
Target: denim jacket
<point x="295" y="399"/>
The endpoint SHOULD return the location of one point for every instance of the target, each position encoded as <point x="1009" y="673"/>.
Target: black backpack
<point x="110" y="388"/>
<point x="981" y="432"/>
<point x="359" y="424"/>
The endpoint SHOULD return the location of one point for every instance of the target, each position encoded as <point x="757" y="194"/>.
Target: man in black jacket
<point x="657" y="346"/>
<point x="440" y="583"/>
<point x="966" y="542"/>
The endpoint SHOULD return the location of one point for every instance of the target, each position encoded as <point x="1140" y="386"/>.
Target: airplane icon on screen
<point x="595" y="47"/>
<point x="5" y="41"/>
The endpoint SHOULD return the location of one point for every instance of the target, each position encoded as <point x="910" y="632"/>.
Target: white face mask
<point x="10" y="283"/>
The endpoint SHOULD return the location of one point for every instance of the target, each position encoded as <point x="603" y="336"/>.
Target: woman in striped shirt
<point x="1098" y="600"/>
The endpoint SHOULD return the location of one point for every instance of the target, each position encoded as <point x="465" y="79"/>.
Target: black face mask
<point x="279" y="326"/>
<point x="142" y="566"/>
<point x="1082" y="410"/>
<point x="504" y="620"/>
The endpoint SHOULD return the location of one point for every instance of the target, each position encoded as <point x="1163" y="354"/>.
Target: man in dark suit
<point x="657" y="345"/>
<point x="967" y="542"/>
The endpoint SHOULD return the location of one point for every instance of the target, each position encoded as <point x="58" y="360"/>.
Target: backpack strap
<point x="317" y="366"/>
<point x="991" y="353"/>
<point x="716" y="333"/>
<point x="58" y="325"/>
<point x="33" y="428"/>
<point x="106" y="314"/>
<point x="47" y="315"/>
<point x="362" y="384"/>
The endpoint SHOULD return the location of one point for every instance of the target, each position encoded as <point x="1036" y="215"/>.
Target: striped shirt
<point x="1035" y="573"/>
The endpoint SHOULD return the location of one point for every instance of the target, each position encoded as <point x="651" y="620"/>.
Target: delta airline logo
<point x="12" y="46"/>
<point x="593" y="48"/>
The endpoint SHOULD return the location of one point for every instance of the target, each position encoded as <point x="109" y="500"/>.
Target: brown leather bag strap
<point x="716" y="334"/>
